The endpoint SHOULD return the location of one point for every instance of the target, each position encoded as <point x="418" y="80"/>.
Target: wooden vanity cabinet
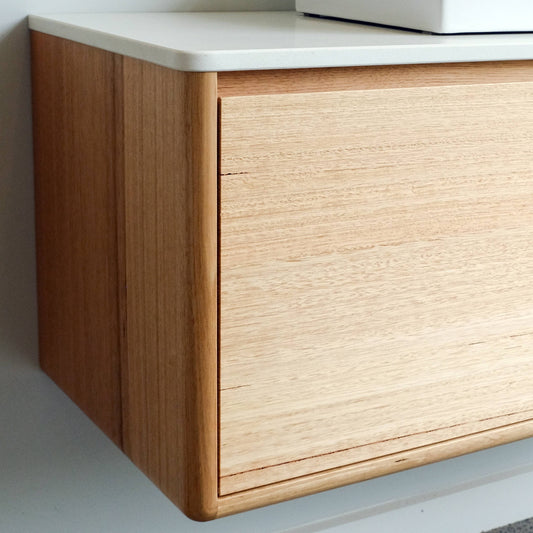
<point x="267" y="284"/>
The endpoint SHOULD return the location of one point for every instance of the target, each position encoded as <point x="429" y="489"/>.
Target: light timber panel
<point x="376" y="258"/>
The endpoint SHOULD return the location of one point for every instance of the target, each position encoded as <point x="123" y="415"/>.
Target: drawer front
<point x="376" y="267"/>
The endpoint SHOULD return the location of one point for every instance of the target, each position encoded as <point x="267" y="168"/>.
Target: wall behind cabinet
<point x="58" y="472"/>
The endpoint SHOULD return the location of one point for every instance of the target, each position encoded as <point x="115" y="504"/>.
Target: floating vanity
<point x="278" y="254"/>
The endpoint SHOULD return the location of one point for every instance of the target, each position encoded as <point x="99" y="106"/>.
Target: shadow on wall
<point x="18" y="322"/>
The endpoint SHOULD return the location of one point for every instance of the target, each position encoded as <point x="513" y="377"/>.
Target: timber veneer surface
<point x="376" y="257"/>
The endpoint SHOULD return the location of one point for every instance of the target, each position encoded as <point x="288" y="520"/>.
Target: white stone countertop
<point x="208" y="41"/>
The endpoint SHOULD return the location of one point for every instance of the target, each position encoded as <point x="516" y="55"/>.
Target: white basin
<point x="437" y="16"/>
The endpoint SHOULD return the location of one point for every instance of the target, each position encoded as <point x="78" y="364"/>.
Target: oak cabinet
<point x="266" y="284"/>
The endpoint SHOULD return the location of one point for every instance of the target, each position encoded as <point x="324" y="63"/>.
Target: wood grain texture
<point x="74" y="104"/>
<point x="170" y="380"/>
<point x="258" y="82"/>
<point x="376" y="257"/>
<point x="126" y="196"/>
<point x="337" y="477"/>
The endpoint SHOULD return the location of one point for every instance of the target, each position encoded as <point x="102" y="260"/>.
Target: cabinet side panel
<point x="170" y="376"/>
<point x="376" y="258"/>
<point x="74" y="103"/>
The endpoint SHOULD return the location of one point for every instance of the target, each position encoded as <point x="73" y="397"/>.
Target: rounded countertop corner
<point x="231" y="41"/>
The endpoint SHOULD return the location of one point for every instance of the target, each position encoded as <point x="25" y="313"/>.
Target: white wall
<point x="58" y="473"/>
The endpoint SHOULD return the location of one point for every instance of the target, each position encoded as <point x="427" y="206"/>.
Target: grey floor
<point x="525" y="526"/>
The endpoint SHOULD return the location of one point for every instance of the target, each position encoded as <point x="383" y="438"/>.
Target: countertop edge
<point x="283" y="58"/>
<point x="166" y="57"/>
